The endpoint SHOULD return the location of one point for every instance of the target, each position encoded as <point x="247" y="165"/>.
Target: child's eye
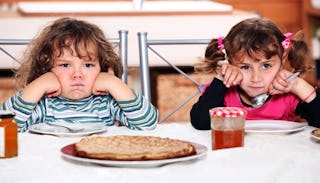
<point x="64" y="65"/>
<point x="88" y="65"/>
<point x="244" y="67"/>
<point x="266" y="66"/>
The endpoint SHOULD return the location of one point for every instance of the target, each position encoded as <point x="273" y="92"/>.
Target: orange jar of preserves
<point x="8" y="135"/>
<point x="227" y="127"/>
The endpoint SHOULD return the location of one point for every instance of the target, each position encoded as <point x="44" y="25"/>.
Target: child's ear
<point x="110" y="70"/>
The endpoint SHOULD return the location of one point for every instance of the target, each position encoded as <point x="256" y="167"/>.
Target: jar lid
<point x="227" y="112"/>
<point x="6" y="114"/>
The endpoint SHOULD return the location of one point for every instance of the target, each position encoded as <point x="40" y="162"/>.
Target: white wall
<point x="158" y="27"/>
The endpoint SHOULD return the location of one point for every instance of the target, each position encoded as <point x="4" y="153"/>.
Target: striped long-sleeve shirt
<point x="137" y="113"/>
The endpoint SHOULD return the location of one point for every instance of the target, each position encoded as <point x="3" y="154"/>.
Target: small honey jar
<point x="8" y="135"/>
<point x="227" y="127"/>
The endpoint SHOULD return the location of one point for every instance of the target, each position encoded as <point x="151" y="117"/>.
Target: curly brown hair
<point x="39" y="56"/>
<point x="255" y="36"/>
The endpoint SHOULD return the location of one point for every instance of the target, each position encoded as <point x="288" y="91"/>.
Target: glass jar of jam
<point x="8" y="135"/>
<point x="227" y="127"/>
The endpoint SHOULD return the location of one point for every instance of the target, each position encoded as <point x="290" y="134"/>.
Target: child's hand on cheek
<point x="231" y="75"/>
<point x="102" y="82"/>
<point x="107" y="82"/>
<point x="100" y="87"/>
<point x="52" y="84"/>
<point x="47" y="84"/>
<point x="280" y="83"/>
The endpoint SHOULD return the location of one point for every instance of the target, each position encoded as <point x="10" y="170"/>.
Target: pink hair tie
<point x="287" y="42"/>
<point x="220" y="43"/>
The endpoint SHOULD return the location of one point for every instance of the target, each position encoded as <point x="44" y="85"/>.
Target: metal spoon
<point x="72" y="129"/>
<point x="259" y="100"/>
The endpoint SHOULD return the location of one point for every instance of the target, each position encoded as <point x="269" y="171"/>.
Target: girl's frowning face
<point x="258" y="73"/>
<point x="77" y="73"/>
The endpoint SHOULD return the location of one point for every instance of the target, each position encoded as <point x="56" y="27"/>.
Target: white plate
<point x="313" y="135"/>
<point x="43" y="128"/>
<point x="68" y="152"/>
<point x="272" y="126"/>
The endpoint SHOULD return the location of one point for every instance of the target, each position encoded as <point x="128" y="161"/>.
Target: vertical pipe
<point x="123" y="46"/>
<point x="144" y="65"/>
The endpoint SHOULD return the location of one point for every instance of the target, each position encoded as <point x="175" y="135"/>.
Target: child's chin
<point x="76" y="96"/>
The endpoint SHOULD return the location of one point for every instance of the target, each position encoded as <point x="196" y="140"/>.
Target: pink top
<point x="278" y="107"/>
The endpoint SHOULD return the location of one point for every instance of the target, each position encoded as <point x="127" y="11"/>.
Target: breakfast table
<point x="265" y="158"/>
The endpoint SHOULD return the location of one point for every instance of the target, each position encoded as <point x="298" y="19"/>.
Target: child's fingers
<point x="97" y="92"/>
<point x="280" y="87"/>
<point x="226" y="77"/>
<point x="224" y="68"/>
<point x="237" y="80"/>
<point x="54" y="94"/>
<point x="281" y="83"/>
<point x="231" y="77"/>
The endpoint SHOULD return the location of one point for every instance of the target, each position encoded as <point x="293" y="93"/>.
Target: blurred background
<point x="161" y="20"/>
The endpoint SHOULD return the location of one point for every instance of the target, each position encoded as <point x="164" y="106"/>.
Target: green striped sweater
<point x="137" y="113"/>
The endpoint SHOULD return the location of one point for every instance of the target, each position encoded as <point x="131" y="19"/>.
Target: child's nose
<point x="256" y="76"/>
<point x="77" y="73"/>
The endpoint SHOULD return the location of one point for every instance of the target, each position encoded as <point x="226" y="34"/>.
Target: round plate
<point x="69" y="152"/>
<point x="314" y="135"/>
<point x="273" y="126"/>
<point x="43" y="128"/>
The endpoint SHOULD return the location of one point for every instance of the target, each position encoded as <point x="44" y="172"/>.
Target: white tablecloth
<point x="263" y="159"/>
